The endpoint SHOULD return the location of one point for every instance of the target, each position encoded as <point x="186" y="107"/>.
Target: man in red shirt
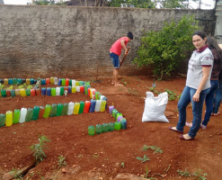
<point x="115" y="52"/>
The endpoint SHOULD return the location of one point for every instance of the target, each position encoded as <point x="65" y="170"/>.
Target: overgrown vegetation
<point x="165" y="49"/>
<point x="39" y="148"/>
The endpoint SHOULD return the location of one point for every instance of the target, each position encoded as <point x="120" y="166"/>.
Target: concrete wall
<point x="43" y="41"/>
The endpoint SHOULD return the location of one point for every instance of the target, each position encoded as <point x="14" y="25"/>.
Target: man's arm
<point x="122" y="42"/>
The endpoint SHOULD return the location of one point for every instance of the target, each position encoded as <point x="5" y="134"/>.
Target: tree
<point x="47" y="2"/>
<point x="133" y="3"/>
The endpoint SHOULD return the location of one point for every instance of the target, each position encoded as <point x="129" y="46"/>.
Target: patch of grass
<point x="61" y="161"/>
<point x="171" y="95"/>
<point x="156" y="149"/>
<point x="184" y="173"/>
<point x="133" y="92"/>
<point x="38" y="149"/>
<point x="143" y="159"/>
<point x="152" y="89"/>
<point x="200" y="175"/>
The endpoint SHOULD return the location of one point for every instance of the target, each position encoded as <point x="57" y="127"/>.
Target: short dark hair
<point x="130" y="35"/>
<point x="200" y="33"/>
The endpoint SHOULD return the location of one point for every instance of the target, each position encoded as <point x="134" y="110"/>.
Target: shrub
<point x="166" y="48"/>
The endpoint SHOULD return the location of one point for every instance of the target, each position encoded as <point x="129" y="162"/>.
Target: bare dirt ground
<point x="101" y="156"/>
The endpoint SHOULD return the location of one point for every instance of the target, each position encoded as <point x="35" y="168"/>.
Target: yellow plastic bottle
<point x="103" y="106"/>
<point x="77" y="83"/>
<point x="22" y="92"/>
<point x="9" y="118"/>
<point x="76" y="108"/>
<point x="73" y="89"/>
<point x="5" y="81"/>
<point x="28" y="81"/>
<point x="51" y="80"/>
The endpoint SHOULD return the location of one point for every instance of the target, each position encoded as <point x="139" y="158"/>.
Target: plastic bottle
<point x="32" y="81"/>
<point x="61" y="91"/>
<point x="9" y="118"/>
<point x="22" y="92"/>
<point x="105" y="127"/>
<point x="80" y="83"/>
<point x="14" y="81"/>
<point x="55" y="80"/>
<point x="29" y="115"/>
<point x="73" y="89"/>
<point x="43" y="91"/>
<point x="65" y="109"/>
<point x="98" y="104"/>
<point x="53" y="91"/>
<point x="12" y="93"/>
<point x="59" y="109"/>
<point x="99" y="129"/>
<point x="67" y="82"/>
<point x="103" y="105"/>
<point x="86" y="107"/>
<point x="119" y="118"/>
<point x="60" y="82"/>
<point x="70" y="108"/>
<point x="19" y="81"/>
<point x="89" y="90"/>
<point x="23" y="81"/>
<point x="27" y="81"/>
<point x="111" y="126"/>
<point x="32" y="92"/>
<point x="70" y="89"/>
<point x="105" y="98"/>
<point x="76" y="108"/>
<point x="57" y="91"/>
<point x="82" y="89"/>
<point x="63" y="82"/>
<point x="10" y="81"/>
<point x="6" y="81"/>
<point x="37" y="92"/>
<point x="73" y="82"/>
<point x="53" y="111"/>
<point x="28" y="93"/>
<point x="51" y="80"/>
<point x="117" y="126"/>
<point x="16" y="116"/>
<point x="47" y="111"/>
<point x="41" y="112"/>
<point x="110" y="109"/>
<point x="17" y="92"/>
<point x="3" y="93"/>
<point x="36" y="111"/>
<point x="92" y="105"/>
<point x="91" y="93"/>
<point x="86" y="87"/>
<point x="2" y="120"/>
<point x="118" y="115"/>
<point x="123" y="123"/>
<point x="114" y="112"/>
<point x="77" y="89"/>
<point x="81" y="108"/>
<point x="77" y="83"/>
<point x="8" y="93"/>
<point x="48" y="90"/>
<point x="47" y="81"/>
<point x="91" y="130"/>
<point x="43" y="82"/>
<point x="22" y="115"/>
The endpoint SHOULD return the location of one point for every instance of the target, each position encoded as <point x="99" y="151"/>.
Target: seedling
<point x="184" y="173"/>
<point x="143" y="159"/>
<point x="171" y="95"/>
<point x="156" y="149"/>
<point x="61" y="161"/>
<point x="200" y="175"/>
<point x="38" y="149"/>
<point x="122" y="165"/>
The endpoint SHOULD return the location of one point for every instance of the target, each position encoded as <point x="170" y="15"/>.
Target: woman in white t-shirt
<point x="197" y="86"/>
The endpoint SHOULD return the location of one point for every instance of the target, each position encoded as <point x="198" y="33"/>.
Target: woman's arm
<point x="206" y="74"/>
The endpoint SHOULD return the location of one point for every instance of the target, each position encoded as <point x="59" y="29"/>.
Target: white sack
<point x="155" y="107"/>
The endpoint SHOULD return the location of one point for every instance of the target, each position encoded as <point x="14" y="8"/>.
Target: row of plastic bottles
<point x="116" y="115"/>
<point x="46" y="81"/>
<point x="26" y="115"/>
<point x="107" y="127"/>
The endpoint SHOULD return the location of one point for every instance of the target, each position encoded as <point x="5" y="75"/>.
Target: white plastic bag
<point x="155" y="107"/>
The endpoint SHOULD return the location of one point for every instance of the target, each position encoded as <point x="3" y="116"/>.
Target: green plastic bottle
<point x="29" y="115"/>
<point x="91" y="130"/>
<point x="123" y="123"/>
<point x="117" y="126"/>
<point x="14" y="80"/>
<point x="47" y="111"/>
<point x="59" y="109"/>
<point x="61" y="91"/>
<point x="111" y="126"/>
<point x="114" y="112"/>
<point x="9" y="118"/>
<point x="99" y="129"/>
<point x="2" y="120"/>
<point x="65" y="109"/>
<point x="117" y="115"/>
<point x="81" y="108"/>
<point x="36" y="111"/>
<point x="12" y="93"/>
<point x="105" y="127"/>
<point x="16" y="116"/>
<point x="63" y="82"/>
<point x="28" y="93"/>
<point x="70" y="82"/>
<point x="3" y="93"/>
<point x="53" y="91"/>
<point x="54" y="110"/>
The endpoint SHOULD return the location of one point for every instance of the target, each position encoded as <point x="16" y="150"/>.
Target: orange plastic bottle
<point x="86" y="107"/>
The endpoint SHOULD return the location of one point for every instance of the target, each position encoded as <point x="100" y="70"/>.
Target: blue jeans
<point x="197" y="107"/>
<point x="209" y="101"/>
<point x="115" y="60"/>
<point x="217" y="99"/>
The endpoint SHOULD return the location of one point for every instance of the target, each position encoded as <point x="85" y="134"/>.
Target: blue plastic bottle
<point x="48" y="91"/>
<point x="43" y="91"/>
<point x="70" y="89"/>
<point x="43" y="82"/>
<point x="60" y="82"/>
<point x="92" y="105"/>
